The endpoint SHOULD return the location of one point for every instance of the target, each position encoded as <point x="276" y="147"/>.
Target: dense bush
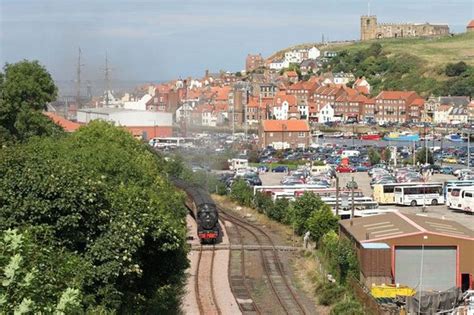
<point x="348" y="307"/>
<point x="329" y="293"/>
<point x="279" y="211"/>
<point x="263" y="203"/>
<point x="98" y="198"/>
<point x="241" y="193"/>
<point x="341" y="256"/>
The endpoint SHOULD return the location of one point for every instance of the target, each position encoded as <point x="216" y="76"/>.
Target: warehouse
<point x="141" y="123"/>
<point x="418" y="251"/>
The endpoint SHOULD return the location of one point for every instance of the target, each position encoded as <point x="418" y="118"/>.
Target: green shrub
<point x="241" y="193"/>
<point x="262" y="202"/>
<point x="329" y="293"/>
<point x="348" y="307"/>
<point x="279" y="211"/>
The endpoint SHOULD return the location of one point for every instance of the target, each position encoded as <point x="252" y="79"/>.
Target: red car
<point x="345" y="169"/>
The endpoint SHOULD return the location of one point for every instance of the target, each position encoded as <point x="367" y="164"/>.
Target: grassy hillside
<point x="436" y="51"/>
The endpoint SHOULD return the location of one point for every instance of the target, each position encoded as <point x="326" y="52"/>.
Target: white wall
<point x="126" y="117"/>
<point x="314" y="53"/>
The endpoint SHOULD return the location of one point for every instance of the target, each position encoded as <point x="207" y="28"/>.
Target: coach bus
<point x="462" y="199"/>
<point x="384" y="193"/>
<point x="424" y="194"/>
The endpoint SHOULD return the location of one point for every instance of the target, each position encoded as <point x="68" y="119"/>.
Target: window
<point x="271" y="134"/>
<point x="289" y="134"/>
<point x="301" y="134"/>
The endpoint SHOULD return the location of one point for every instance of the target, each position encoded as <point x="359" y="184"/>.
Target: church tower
<point x="368" y="27"/>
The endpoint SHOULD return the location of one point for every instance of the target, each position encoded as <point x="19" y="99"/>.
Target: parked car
<point x="361" y="168"/>
<point x="446" y="170"/>
<point x="280" y="169"/>
<point x="451" y="160"/>
<point x="345" y="169"/>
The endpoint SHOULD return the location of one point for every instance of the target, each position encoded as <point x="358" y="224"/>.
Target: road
<point x="363" y="181"/>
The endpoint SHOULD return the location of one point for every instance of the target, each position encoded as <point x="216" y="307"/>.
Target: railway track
<point x="272" y="266"/>
<point x="204" y="284"/>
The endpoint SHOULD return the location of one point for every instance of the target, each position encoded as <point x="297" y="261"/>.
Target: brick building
<point x="282" y="134"/>
<point x="253" y="62"/>
<point x="398" y="106"/>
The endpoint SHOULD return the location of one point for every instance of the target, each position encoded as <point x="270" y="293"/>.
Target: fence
<point x="364" y="296"/>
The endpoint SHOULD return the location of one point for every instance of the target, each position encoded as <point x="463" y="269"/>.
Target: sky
<point x="167" y="39"/>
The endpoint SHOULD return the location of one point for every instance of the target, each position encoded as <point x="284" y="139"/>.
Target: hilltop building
<point x="370" y="29"/>
<point x="470" y="26"/>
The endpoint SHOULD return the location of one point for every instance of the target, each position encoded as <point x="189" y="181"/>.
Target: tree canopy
<point x="99" y="198"/>
<point x="25" y="89"/>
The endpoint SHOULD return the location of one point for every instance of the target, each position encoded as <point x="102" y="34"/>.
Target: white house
<point x="343" y="78"/>
<point x="281" y="112"/>
<point x="294" y="56"/>
<point x="183" y="111"/>
<point x="277" y="64"/>
<point x="138" y="105"/>
<point x="209" y="118"/>
<point x="314" y="53"/>
<point x="326" y="114"/>
<point x="304" y="110"/>
<point x="441" y="114"/>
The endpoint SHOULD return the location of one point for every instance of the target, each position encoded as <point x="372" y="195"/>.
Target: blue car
<point x="446" y="170"/>
<point x="280" y="169"/>
<point x="361" y="168"/>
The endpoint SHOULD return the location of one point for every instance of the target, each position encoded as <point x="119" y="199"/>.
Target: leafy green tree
<point x="303" y="208"/>
<point x="421" y="156"/>
<point x="263" y="202"/>
<point x="38" y="278"/>
<point x="346" y="260"/>
<point x="241" y="192"/>
<point x="25" y="89"/>
<point x="100" y="194"/>
<point x="374" y="156"/>
<point x="321" y="222"/>
<point x="386" y="155"/>
<point x="279" y="211"/>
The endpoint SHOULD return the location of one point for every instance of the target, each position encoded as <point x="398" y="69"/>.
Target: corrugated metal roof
<point x="395" y="224"/>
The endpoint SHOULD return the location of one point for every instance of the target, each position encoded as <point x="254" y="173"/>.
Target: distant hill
<point x="436" y="51"/>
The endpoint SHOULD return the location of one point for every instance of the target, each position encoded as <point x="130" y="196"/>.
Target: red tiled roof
<point x="471" y="24"/>
<point x="285" y="125"/>
<point x="395" y="95"/>
<point x="291" y="74"/>
<point x="67" y="125"/>
<point x="280" y="98"/>
<point x="418" y="102"/>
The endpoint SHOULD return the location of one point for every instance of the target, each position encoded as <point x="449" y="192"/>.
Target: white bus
<point x="171" y="142"/>
<point x="426" y="194"/>
<point x="464" y="200"/>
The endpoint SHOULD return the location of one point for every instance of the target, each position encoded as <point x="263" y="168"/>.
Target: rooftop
<point x="395" y="224"/>
<point x="285" y="125"/>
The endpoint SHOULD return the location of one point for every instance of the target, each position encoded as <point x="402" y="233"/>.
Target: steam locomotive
<point x="203" y="209"/>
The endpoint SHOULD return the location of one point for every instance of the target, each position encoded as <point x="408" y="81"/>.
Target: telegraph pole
<point x="78" y="79"/>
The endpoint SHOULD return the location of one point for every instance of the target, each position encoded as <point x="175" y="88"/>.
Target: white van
<point x="237" y="164"/>
<point x="349" y="153"/>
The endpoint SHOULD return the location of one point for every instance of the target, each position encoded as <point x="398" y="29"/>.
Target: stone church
<point x="370" y="29"/>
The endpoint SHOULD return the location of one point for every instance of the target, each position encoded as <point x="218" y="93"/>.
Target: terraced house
<point x="398" y="106"/>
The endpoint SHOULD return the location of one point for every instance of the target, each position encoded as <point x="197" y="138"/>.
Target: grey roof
<point x="454" y="100"/>
<point x="108" y="110"/>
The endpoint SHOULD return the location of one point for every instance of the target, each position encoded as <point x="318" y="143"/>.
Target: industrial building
<point x="418" y="251"/>
<point x="141" y="123"/>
